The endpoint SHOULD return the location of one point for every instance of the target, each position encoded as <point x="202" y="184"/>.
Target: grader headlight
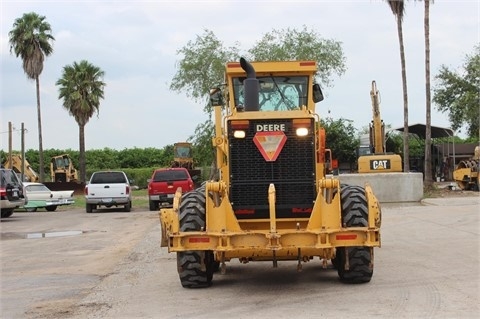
<point x="301" y="126"/>
<point x="302" y="131"/>
<point x="239" y="134"/>
<point x="239" y="128"/>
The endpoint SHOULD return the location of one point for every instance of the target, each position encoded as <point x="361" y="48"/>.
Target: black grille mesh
<point x="293" y="173"/>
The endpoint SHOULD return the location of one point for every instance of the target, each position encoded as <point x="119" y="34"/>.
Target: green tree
<point x="342" y="138"/>
<point x="458" y="94"/>
<point x="102" y="159"/>
<point x="31" y="39"/>
<point x="202" y="143"/>
<point x="398" y="9"/>
<point x="292" y="44"/>
<point x="81" y="88"/>
<point x="203" y="62"/>
<point x="202" y="67"/>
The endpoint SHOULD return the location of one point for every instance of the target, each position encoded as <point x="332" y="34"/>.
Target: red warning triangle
<point x="270" y="144"/>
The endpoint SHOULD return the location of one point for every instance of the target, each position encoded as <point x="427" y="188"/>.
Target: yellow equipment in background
<point x="15" y="164"/>
<point x="62" y="169"/>
<point x="183" y="157"/>
<point x="466" y="173"/>
<point x="378" y="161"/>
<point x="272" y="200"/>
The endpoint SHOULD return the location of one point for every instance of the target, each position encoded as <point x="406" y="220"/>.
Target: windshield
<point x="36" y="188"/>
<point x="170" y="175"/>
<point x="108" y="177"/>
<point x="276" y="93"/>
<point x="182" y="151"/>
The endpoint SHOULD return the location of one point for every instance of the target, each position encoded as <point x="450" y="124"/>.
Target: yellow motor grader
<point x="272" y="200"/>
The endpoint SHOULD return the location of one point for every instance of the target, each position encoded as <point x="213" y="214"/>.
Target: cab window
<point x="276" y="93"/>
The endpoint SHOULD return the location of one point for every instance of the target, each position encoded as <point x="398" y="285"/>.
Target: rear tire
<point x="152" y="205"/>
<point x="51" y="208"/>
<point x="89" y="208"/>
<point x="354" y="214"/>
<point x="127" y="207"/>
<point x="7" y="213"/>
<point x="195" y="268"/>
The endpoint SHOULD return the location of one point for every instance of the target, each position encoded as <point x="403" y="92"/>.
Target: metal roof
<point x="419" y="130"/>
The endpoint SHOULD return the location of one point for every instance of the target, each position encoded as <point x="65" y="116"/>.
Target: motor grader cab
<point x="378" y="161"/>
<point x="272" y="201"/>
<point x="62" y="169"/>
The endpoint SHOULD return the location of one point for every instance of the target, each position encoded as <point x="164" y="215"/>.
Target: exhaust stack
<point x="250" y="85"/>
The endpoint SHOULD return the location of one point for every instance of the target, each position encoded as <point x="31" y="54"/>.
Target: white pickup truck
<point x="109" y="189"/>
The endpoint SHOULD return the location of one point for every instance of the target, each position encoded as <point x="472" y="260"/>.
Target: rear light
<point x="127" y="189"/>
<point x="346" y="237"/>
<point x="307" y="63"/>
<point x="3" y="192"/>
<point x="244" y="211"/>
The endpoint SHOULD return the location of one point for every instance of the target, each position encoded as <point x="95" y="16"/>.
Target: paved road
<point x="109" y="265"/>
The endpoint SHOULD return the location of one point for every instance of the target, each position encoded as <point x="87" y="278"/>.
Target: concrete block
<point x="389" y="187"/>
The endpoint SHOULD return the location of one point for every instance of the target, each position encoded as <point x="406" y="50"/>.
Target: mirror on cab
<point x="317" y="93"/>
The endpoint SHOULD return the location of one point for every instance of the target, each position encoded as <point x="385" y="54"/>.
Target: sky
<point x="136" y="42"/>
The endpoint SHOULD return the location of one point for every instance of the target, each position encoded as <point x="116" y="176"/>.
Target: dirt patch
<point x="448" y="189"/>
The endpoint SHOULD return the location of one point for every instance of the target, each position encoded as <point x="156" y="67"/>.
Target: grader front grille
<point x="292" y="173"/>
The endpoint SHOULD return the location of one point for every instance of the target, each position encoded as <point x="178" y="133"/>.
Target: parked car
<point x="11" y="192"/>
<point x="40" y="196"/>
<point x="109" y="189"/>
<point x="164" y="183"/>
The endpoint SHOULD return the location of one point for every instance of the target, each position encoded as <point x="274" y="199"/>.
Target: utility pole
<point x="23" y="152"/>
<point x="10" y="143"/>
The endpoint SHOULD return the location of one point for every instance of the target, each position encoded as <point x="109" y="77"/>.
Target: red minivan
<point x="164" y="183"/>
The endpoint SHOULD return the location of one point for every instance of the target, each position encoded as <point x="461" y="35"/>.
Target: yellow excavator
<point x="14" y="162"/>
<point x="378" y="161"/>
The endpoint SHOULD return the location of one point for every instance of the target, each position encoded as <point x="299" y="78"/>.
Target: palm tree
<point x="398" y="10"/>
<point x="31" y="39"/>
<point x="428" y="131"/>
<point x="81" y="88"/>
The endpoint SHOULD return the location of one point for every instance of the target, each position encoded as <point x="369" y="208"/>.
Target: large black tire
<point x="89" y="208"/>
<point x="195" y="268"/>
<point x="7" y="213"/>
<point x="152" y="205"/>
<point x="51" y="208"/>
<point x="354" y="214"/>
<point x="127" y="207"/>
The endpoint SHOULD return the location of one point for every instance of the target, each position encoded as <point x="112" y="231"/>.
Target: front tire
<point x="196" y="267"/>
<point x="354" y="264"/>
